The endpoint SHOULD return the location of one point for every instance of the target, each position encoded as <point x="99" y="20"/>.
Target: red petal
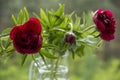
<point x="107" y="37"/>
<point x="28" y="50"/>
<point x="15" y="31"/>
<point x="100" y="26"/>
<point x="109" y="13"/>
<point x="33" y="25"/>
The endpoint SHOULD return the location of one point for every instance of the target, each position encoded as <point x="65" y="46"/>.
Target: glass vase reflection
<point x="50" y="69"/>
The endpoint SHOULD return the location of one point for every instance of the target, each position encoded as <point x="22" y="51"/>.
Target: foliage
<point x="55" y="26"/>
<point x="78" y="6"/>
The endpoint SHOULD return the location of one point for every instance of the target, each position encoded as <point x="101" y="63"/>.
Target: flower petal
<point x="100" y="25"/>
<point x="33" y="25"/>
<point x="108" y="13"/>
<point x="107" y="37"/>
<point x="15" y="31"/>
<point x="30" y="48"/>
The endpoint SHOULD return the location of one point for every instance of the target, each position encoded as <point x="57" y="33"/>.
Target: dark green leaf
<point x="73" y="53"/>
<point x="47" y="54"/>
<point x="50" y="45"/>
<point x="10" y="49"/>
<point x="58" y="21"/>
<point x="8" y="43"/>
<point x="80" y="50"/>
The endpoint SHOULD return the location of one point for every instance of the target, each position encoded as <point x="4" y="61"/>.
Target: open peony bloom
<point x="27" y="37"/>
<point x="105" y="24"/>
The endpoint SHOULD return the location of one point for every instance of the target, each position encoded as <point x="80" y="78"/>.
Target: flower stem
<point x="54" y="68"/>
<point x="71" y="27"/>
<point x="35" y="61"/>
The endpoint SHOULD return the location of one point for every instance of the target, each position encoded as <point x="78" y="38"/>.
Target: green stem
<point x="43" y="59"/>
<point x="71" y="27"/>
<point x="54" y="70"/>
<point x="35" y="61"/>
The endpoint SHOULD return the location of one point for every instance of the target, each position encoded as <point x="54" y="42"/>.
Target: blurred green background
<point x="103" y="64"/>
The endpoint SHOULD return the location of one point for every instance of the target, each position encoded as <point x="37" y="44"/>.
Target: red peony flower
<point x="27" y="37"/>
<point x="70" y="38"/>
<point x="105" y="23"/>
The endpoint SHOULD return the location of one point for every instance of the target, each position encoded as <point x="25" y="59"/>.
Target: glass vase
<point x="50" y="69"/>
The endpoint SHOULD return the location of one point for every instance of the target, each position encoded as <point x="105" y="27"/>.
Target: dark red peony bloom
<point x="70" y="38"/>
<point x="105" y="23"/>
<point x="27" y="37"/>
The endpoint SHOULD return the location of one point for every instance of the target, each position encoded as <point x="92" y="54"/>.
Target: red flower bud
<point x="105" y="23"/>
<point x="69" y="38"/>
<point x="27" y="37"/>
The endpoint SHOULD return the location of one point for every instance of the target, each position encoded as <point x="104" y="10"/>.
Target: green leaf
<point x="49" y="45"/>
<point x="47" y="54"/>
<point x="1" y="46"/>
<point x="10" y="49"/>
<point x="60" y="11"/>
<point x="20" y="17"/>
<point x="89" y="50"/>
<point x="36" y="15"/>
<point x="8" y="43"/>
<point x="23" y="59"/>
<point x="26" y="14"/>
<point x="50" y="18"/>
<point x="14" y="20"/>
<point x="43" y="15"/>
<point x="73" y="53"/>
<point x="84" y="18"/>
<point x="58" y="21"/>
<point x="61" y="30"/>
<point x="6" y="32"/>
<point x="8" y="54"/>
<point x="77" y="23"/>
<point x="41" y="20"/>
<point x="80" y="50"/>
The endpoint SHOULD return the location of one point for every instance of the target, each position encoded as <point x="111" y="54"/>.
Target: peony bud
<point x="69" y="38"/>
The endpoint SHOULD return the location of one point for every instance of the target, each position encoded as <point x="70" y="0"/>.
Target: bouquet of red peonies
<point x="52" y="33"/>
